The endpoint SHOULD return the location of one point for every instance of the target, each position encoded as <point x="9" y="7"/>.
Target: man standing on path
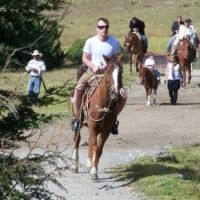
<point x="35" y="67"/>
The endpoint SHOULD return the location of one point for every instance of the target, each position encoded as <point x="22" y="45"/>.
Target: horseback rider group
<point x="180" y="30"/>
<point x="104" y="44"/>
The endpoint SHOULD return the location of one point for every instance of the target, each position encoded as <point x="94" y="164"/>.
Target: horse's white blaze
<point x="115" y="78"/>
<point x="93" y="170"/>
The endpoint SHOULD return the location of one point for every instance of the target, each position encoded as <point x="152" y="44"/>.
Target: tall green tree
<point x="25" y="26"/>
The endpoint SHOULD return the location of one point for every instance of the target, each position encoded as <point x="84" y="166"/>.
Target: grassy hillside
<point x="157" y="14"/>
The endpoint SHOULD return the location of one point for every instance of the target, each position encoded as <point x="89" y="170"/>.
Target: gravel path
<point x="142" y="130"/>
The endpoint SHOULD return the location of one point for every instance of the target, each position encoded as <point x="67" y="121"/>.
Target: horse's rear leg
<point x="75" y="155"/>
<point x="189" y="75"/>
<point x="130" y="69"/>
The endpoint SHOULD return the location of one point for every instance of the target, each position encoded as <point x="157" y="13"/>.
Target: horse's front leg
<point x="102" y="139"/>
<point x="75" y="155"/>
<point x="93" y="151"/>
<point x="189" y="74"/>
<point x="154" y="96"/>
<point x="130" y="62"/>
<point x="148" y="91"/>
<point x="184" y="78"/>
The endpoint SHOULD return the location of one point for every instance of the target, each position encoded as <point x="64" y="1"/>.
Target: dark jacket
<point x="175" y="27"/>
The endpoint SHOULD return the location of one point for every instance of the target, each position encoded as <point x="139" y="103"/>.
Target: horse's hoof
<point x="74" y="169"/>
<point x="94" y="177"/>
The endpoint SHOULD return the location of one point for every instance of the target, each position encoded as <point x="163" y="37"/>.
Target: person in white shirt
<point x="151" y="64"/>
<point x="35" y="68"/>
<point x="173" y="77"/>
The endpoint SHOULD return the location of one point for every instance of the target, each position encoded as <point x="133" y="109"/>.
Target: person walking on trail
<point x="35" y="68"/>
<point x="173" y="77"/>
<point x="93" y="51"/>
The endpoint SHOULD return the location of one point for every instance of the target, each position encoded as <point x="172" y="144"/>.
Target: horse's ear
<point x="120" y="57"/>
<point x="106" y="59"/>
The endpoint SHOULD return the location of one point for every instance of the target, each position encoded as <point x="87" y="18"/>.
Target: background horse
<point x="102" y="103"/>
<point x="184" y="54"/>
<point x="133" y="45"/>
<point x="150" y="82"/>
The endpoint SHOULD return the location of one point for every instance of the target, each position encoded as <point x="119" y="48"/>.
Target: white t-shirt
<point x="37" y="64"/>
<point x="173" y="71"/>
<point x="97" y="49"/>
<point x="184" y="32"/>
<point x="150" y="63"/>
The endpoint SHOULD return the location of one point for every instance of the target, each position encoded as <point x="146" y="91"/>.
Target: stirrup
<point x="75" y="124"/>
<point x="114" y="129"/>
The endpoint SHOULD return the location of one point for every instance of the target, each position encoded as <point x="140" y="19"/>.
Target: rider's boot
<point x="75" y="123"/>
<point x="114" y="129"/>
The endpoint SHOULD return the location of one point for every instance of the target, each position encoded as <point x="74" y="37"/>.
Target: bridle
<point x="113" y="96"/>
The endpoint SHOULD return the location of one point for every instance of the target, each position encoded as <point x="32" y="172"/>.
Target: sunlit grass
<point x="178" y="180"/>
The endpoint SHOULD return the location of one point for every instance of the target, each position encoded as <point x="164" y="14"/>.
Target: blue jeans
<point x="34" y="88"/>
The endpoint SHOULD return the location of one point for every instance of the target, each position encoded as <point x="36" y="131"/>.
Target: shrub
<point x="74" y="53"/>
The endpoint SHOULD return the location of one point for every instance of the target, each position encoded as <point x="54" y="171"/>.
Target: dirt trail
<point x="142" y="129"/>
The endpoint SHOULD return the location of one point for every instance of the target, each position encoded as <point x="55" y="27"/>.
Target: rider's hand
<point x="34" y="70"/>
<point x="95" y="69"/>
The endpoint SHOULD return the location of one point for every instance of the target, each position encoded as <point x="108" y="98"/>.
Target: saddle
<point x="90" y="88"/>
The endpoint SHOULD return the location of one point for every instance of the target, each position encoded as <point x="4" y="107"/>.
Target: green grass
<point x="178" y="180"/>
<point x="157" y="14"/>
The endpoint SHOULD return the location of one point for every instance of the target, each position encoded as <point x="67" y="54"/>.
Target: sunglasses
<point x="102" y="27"/>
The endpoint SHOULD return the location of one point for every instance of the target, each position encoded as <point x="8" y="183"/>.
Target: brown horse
<point x="101" y="105"/>
<point x="133" y="45"/>
<point x="150" y="82"/>
<point x="184" y="54"/>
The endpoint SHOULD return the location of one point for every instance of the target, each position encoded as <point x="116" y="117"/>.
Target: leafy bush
<point x="25" y="26"/>
<point x="26" y="178"/>
<point x="74" y="53"/>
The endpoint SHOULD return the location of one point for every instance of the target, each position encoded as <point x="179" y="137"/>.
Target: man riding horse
<point x="95" y="48"/>
<point x="137" y="25"/>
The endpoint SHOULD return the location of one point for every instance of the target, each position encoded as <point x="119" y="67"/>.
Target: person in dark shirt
<point x="175" y="29"/>
<point x="176" y="25"/>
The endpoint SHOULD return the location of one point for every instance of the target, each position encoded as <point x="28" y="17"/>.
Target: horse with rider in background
<point x="136" y="44"/>
<point x="185" y="56"/>
<point x="133" y="46"/>
<point x="150" y="83"/>
<point x="102" y="101"/>
<point x="184" y="46"/>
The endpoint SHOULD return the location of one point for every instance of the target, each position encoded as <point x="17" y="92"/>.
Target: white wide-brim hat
<point x="36" y="53"/>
